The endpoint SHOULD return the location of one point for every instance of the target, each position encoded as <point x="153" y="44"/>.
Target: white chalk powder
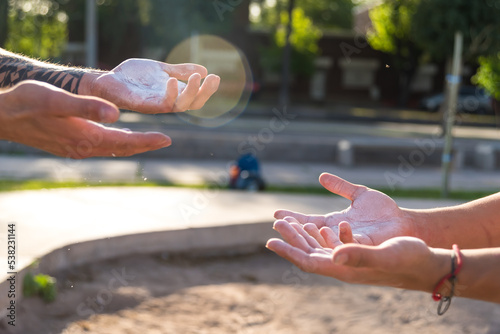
<point x="145" y="79"/>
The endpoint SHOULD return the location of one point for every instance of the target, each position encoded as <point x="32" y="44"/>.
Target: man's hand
<point x="152" y="87"/>
<point x="372" y="218"/>
<point x="64" y="124"/>
<point x="403" y="262"/>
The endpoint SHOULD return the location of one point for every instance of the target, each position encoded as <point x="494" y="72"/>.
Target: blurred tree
<point x="37" y="28"/>
<point x="328" y="14"/>
<point x="436" y="21"/>
<point x="325" y="14"/>
<point x="303" y="39"/>
<point x="393" y="33"/>
<point x="411" y="29"/>
<point x="488" y="75"/>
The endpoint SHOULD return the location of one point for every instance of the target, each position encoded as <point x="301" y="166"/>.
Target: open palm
<point x="404" y="262"/>
<point x="372" y="218"/>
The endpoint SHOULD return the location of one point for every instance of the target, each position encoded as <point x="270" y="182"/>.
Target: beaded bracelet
<point x="445" y="301"/>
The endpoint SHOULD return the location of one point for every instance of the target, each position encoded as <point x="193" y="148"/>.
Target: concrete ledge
<point x="484" y="156"/>
<point x="231" y="237"/>
<point x="417" y="152"/>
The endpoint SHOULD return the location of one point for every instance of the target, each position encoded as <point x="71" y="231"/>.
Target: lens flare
<point x="222" y="58"/>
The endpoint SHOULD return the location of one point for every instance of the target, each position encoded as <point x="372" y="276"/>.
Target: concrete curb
<point x="234" y="237"/>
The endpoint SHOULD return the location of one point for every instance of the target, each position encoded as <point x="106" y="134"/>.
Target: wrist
<point x="418" y="222"/>
<point x="87" y="82"/>
<point x="439" y="266"/>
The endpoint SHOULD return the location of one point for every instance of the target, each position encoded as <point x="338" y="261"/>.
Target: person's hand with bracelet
<point x="374" y="217"/>
<point x="402" y="262"/>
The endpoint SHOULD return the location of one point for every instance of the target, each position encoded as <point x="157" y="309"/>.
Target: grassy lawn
<point x="433" y="193"/>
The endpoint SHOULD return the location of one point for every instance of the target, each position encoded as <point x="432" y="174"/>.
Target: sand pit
<point x="253" y="293"/>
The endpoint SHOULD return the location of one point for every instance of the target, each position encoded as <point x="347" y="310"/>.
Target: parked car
<point x="471" y="99"/>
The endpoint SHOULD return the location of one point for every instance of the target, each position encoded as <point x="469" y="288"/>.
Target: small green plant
<point x="40" y="285"/>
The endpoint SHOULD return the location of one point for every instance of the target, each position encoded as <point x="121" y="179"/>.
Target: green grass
<point x="15" y="185"/>
<point x="11" y="185"/>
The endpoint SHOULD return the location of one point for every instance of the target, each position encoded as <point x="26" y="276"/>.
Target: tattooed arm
<point x="15" y="68"/>
<point x="43" y="115"/>
<point x="142" y="85"/>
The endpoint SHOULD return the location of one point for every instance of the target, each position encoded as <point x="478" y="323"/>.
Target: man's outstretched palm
<point x="372" y="218"/>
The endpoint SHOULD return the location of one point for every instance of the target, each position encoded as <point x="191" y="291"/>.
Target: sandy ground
<point x="256" y="293"/>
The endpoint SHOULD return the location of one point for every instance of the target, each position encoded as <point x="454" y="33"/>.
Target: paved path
<point x="50" y="219"/>
<point x="196" y="172"/>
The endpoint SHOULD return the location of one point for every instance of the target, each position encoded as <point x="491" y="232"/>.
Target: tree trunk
<point x="4" y="18"/>
<point x="284" y="97"/>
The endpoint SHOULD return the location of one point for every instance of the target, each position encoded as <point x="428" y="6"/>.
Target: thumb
<point x="360" y="256"/>
<point x="340" y="186"/>
<point x="91" y="108"/>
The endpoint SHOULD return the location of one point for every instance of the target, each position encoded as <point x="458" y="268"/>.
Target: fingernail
<point x="166" y="142"/>
<point x="340" y="259"/>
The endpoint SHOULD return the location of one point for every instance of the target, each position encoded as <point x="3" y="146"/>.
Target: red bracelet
<point x="452" y="277"/>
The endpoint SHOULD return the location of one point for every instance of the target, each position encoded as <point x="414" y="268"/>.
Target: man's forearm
<point x="471" y="225"/>
<point x="15" y="68"/>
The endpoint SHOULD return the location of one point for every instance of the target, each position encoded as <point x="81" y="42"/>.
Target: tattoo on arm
<point x="14" y="69"/>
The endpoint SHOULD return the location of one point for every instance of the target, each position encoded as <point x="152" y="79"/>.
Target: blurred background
<point x="378" y="53"/>
<point x="362" y="89"/>
<point x="352" y="84"/>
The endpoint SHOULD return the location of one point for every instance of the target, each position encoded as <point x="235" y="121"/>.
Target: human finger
<point x="184" y="71"/>
<point x="63" y="104"/>
<point x="345" y="232"/>
<point x="187" y="96"/>
<point x="331" y="239"/>
<point x="313" y="231"/>
<point x="138" y="142"/>
<point x="340" y="186"/>
<point x="171" y="95"/>
<point x="207" y="89"/>
<point x="120" y="143"/>
<point x="287" y="251"/>
<point x="291" y="235"/>
<point x="317" y="220"/>
<point x="360" y="256"/>
<point x="310" y="240"/>
<point x="313" y="263"/>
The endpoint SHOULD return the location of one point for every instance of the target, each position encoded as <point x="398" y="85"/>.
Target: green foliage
<point x="431" y="25"/>
<point x="304" y="39"/>
<point x="40" y="285"/>
<point x="304" y="36"/>
<point x="488" y="75"/>
<point x="436" y="21"/>
<point x="325" y="14"/>
<point x="392" y="26"/>
<point x="30" y="288"/>
<point x="328" y="14"/>
<point x="36" y="28"/>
